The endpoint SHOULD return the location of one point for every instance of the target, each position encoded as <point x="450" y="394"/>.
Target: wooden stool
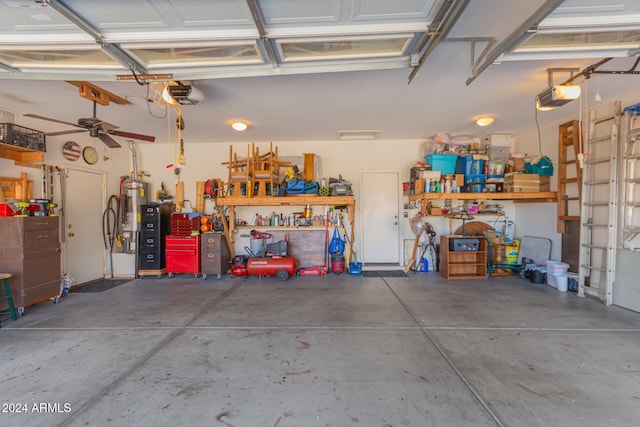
<point x="6" y="295"/>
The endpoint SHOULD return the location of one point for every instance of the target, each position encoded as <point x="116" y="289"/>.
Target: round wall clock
<point x="90" y="155"/>
<point x="71" y="151"/>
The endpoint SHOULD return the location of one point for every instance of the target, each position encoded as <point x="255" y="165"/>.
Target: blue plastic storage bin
<point x="476" y="183"/>
<point x="468" y="166"/>
<point x="445" y="163"/>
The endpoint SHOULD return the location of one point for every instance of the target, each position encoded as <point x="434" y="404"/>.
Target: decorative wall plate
<point x="71" y="151"/>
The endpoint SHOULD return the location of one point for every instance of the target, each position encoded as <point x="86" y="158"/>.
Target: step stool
<point x="5" y="295"/>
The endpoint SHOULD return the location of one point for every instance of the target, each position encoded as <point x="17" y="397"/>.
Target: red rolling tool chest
<point x="182" y="255"/>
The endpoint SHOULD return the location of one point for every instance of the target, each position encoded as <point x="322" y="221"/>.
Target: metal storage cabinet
<point x="30" y="251"/>
<point x="215" y="254"/>
<point x="155" y="224"/>
<point x="182" y="254"/>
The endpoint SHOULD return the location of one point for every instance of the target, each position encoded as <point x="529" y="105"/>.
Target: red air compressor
<point x="281" y="267"/>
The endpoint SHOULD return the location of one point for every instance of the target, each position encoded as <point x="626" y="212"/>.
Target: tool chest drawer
<point x="182" y="254"/>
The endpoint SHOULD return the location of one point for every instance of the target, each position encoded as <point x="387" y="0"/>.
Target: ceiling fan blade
<point x="109" y="142"/>
<point x="64" y="132"/>
<point x="106" y="126"/>
<point x="35" y="116"/>
<point x="133" y="135"/>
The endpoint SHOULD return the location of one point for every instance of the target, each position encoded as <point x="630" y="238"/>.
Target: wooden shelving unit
<point x="20" y="154"/>
<point x="463" y="265"/>
<point x="300" y="200"/>
<point x="232" y="202"/>
<point x="532" y="197"/>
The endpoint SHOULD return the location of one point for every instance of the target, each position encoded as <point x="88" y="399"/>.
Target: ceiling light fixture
<point x="239" y="125"/>
<point x="354" y="135"/>
<point x="484" y="121"/>
<point x="557" y="95"/>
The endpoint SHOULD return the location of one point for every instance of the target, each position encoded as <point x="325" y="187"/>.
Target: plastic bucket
<point x="355" y="268"/>
<point x="555" y="268"/>
<point x="562" y="282"/>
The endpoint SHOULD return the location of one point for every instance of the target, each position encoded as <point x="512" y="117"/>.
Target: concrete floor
<point x="322" y="351"/>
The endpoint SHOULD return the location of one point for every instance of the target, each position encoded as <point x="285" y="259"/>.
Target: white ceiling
<point x="306" y="100"/>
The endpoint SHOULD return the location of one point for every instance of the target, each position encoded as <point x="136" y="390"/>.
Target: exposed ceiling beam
<point x="445" y="19"/>
<point x="516" y="37"/>
<point x="96" y="93"/>
<point x="113" y="50"/>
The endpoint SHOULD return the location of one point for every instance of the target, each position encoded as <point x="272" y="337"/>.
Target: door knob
<point x="70" y="234"/>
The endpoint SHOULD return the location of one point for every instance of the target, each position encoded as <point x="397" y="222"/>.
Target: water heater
<point x="137" y="193"/>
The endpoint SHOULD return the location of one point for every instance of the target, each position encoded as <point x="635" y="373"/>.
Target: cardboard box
<point x="435" y="211"/>
<point x="418" y="186"/>
<point x="517" y="163"/>
<point x="522" y="183"/>
<point x="545" y="183"/>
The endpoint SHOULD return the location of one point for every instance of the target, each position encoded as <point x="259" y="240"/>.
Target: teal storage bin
<point x="445" y="163"/>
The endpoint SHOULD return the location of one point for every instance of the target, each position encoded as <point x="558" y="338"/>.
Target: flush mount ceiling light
<point x="557" y="95"/>
<point x="484" y="121"/>
<point x="239" y="125"/>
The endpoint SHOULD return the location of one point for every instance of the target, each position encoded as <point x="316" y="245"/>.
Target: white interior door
<point x="84" y="206"/>
<point x="379" y="212"/>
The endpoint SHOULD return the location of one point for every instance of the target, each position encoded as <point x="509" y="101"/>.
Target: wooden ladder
<point x="569" y="185"/>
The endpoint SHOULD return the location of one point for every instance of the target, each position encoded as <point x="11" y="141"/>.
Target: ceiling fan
<point x="96" y="127"/>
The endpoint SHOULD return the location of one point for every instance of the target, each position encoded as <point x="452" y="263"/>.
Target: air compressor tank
<point x="281" y="267"/>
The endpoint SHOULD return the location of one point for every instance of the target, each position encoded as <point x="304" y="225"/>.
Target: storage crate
<point x="21" y="136"/>
<point x="523" y="183"/>
<point x="503" y="139"/>
<point x="445" y="163"/>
